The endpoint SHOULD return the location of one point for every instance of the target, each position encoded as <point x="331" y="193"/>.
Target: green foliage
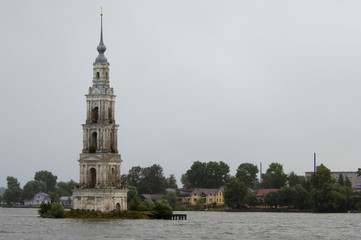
<point x="340" y="180"/>
<point x="149" y="180"/>
<point x="172" y="182"/>
<point x="321" y="177"/>
<point x="162" y="207"/>
<point x="347" y="182"/>
<point x="133" y="205"/>
<point x="301" y="197"/>
<point x="271" y="199"/>
<point x="13" y="193"/>
<point x="132" y="193"/>
<point x="141" y="207"/>
<point x="44" y="209"/>
<point x="65" y="188"/>
<point x="172" y="199"/>
<point x="206" y="175"/>
<point x="294" y="179"/>
<point x="116" y="214"/>
<point x="152" y="180"/>
<point x="57" y="210"/>
<point x="31" y="188"/>
<point x="247" y="173"/>
<point x="46" y="178"/>
<point x="286" y="196"/>
<point x="149" y="204"/>
<point x="251" y="199"/>
<point x="234" y="192"/>
<point x="274" y="176"/>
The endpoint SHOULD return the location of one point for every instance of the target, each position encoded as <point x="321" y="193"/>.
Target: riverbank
<point x="117" y="214"/>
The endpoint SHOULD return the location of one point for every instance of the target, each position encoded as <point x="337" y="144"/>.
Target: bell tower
<point x="100" y="163"/>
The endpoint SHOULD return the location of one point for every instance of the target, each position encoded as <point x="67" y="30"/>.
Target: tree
<point x="47" y="178"/>
<point x="294" y="179"/>
<point x="172" y="199"/>
<point x="134" y="176"/>
<point x="286" y="196"/>
<point x="66" y="187"/>
<point x="250" y="199"/>
<point x="234" y="192"/>
<point x="340" y="180"/>
<point x="347" y="182"/>
<point x="172" y="182"/>
<point x="12" y="194"/>
<point x="301" y="197"/>
<point x="274" y="176"/>
<point x="247" y="173"/>
<point x="321" y="176"/>
<point x="31" y="188"/>
<point x="196" y="176"/>
<point x="162" y="207"/>
<point x="132" y="193"/>
<point x="206" y="175"/>
<point x="271" y="199"/>
<point x="152" y="180"/>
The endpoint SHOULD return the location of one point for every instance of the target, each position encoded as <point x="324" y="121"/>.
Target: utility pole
<point x="314" y="162"/>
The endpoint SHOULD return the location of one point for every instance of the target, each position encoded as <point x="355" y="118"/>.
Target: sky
<point x="207" y="80"/>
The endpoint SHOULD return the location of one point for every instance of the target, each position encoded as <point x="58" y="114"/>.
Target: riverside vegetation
<point x="56" y="210"/>
<point x="321" y="193"/>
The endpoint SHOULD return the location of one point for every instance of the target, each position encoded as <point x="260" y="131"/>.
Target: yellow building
<point x="208" y="196"/>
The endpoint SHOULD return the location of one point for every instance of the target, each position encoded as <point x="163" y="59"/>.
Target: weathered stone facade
<point x="99" y="162"/>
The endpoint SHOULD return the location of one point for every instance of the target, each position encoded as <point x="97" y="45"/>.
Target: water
<point x="25" y="224"/>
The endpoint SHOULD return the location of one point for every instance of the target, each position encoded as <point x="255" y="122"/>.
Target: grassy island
<point x="56" y="210"/>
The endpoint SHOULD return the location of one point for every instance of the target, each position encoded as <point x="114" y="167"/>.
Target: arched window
<point x="112" y="143"/>
<point x="93" y="177"/>
<point x="110" y="115"/>
<point x="93" y="144"/>
<point x="98" y="76"/>
<point x="117" y="206"/>
<point x="95" y="115"/>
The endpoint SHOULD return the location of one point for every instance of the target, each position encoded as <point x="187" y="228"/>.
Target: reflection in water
<point x="25" y="224"/>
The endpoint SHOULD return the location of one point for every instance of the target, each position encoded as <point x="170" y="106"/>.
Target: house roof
<point x="152" y="197"/>
<point x="263" y="191"/>
<point x="206" y="191"/>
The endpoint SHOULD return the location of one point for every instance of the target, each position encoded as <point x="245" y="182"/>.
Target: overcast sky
<point x="233" y="81"/>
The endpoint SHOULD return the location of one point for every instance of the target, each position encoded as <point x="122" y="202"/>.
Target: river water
<point x="25" y="224"/>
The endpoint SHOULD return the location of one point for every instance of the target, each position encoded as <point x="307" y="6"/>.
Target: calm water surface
<point x="25" y="224"/>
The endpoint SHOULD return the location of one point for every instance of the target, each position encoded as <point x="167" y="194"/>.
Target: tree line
<point x="320" y="193"/>
<point x="44" y="181"/>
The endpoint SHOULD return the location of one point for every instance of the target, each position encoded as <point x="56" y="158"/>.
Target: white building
<point x="99" y="162"/>
<point x="37" y="199"/>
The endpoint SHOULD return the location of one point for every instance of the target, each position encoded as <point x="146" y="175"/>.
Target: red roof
<point x="264" y="191"/>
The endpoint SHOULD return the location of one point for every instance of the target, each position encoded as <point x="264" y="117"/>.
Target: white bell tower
<point x="99" y="162"/>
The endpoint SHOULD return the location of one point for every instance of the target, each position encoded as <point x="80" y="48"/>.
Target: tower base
<point x="100" y="199"/>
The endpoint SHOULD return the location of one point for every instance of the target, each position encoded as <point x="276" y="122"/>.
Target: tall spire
<point x="101" y="47"/>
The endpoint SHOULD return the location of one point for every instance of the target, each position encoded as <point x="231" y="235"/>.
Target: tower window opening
<point x="110" y="115"/>
<point x="93" y="177"/>
<point x="95" y="115"/>
<point x="93" y="144"/>
<point x="98" y="76"/>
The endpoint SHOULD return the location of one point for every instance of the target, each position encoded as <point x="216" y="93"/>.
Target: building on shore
<point x="100" y="163"/>
<point x="351" y="175"/>
<point x="208" y="196"/>
<point x="38" y="199"/>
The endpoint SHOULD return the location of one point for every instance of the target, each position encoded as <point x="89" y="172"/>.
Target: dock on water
<point x="168" y="216"/>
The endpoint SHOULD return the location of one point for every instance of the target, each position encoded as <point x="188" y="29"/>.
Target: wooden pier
<point x="168" y="216"/>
